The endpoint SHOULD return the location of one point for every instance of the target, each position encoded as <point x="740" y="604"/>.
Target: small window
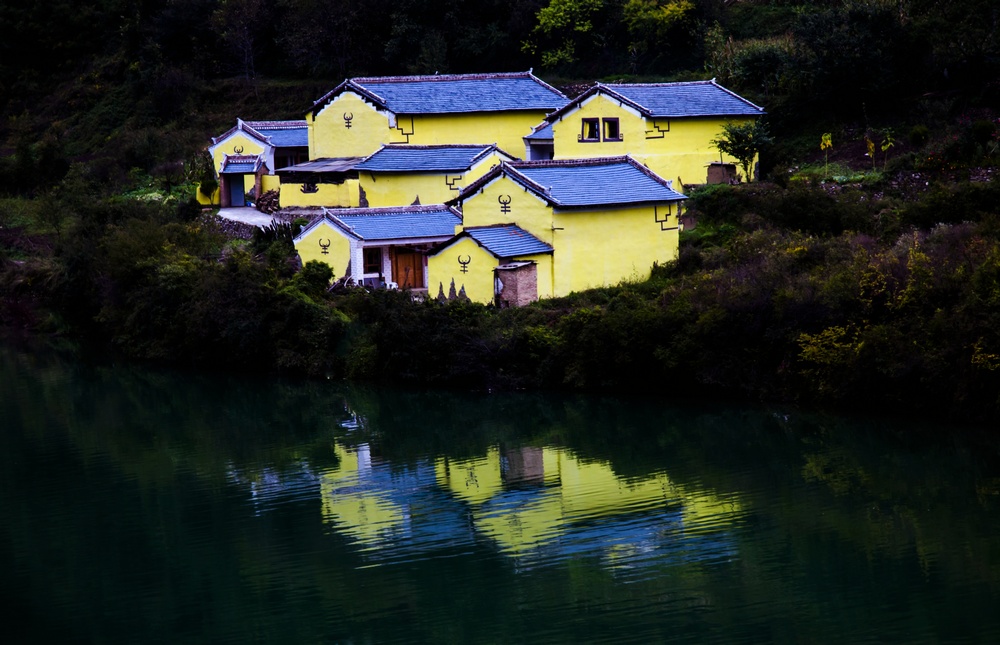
<point x="373" y="260"/>
<point x="611" y="131"/>
<point x="591" y="130"/>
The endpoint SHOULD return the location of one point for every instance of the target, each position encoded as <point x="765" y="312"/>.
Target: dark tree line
<point x="123" y="84"/>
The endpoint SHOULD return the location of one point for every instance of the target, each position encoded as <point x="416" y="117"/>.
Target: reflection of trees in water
<point x="820" y="498"/>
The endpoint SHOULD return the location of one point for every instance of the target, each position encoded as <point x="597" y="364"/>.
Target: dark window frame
<point x="595" y="126"/>
<point x="617" y="129"/>
<point x="368" y="264"/>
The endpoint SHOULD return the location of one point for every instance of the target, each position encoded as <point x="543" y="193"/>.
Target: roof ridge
<point x="277" y="125"/>
<point x="563" y="163"/>
<point x="385" y="210"/>
<point x="440" y="77"/>
<point x="433" y="146"/>
<point x="498" y="225"/>
<point x="664" y="84"/>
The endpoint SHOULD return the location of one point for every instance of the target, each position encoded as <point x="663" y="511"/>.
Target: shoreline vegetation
<point x="858" y="297"/>
<point x="861" y="272"/>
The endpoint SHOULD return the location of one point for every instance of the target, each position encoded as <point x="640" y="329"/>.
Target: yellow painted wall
<point x="479" y="281"/>
<point x="331" y="195"/>
<point x="214" y="200"/>
<point x="339" y="251"/>
<point x="270" y="182"/>
<point x="681" y="154"/>
<point x="525" y="209"/>
<point x="598" y="248"/>
<point x="401" y="189"/>
<point x="504" y="129"/>
<point x="370" y="128"/>
<point x="444" y="266"/>
<point x="239" y="139"/>
<point x="329" y="135"/>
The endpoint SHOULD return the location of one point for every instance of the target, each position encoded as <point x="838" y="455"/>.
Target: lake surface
<point x="143" y="506"/>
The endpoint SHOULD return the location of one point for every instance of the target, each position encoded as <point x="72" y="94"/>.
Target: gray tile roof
<point x="432" y="223"/>
<point x="240" y="164"/>
<point x="323" y="165"/>
<point x="699" y="98"/>
<point x="443" y="158"/>
<point x="671" y="100"/>
<point x="283" y="134"/>
<point x="278" y="133"/>
<point x="506" y="240"/>
<point x="583" y="183"/>
<point x="542" y="132"/>
<point x="453" y="93"/>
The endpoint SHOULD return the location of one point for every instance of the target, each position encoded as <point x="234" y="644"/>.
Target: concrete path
<point x="246" y="215"/>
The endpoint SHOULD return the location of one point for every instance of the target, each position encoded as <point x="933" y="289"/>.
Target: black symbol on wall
<point x="504" y="203"/>
<point x="465" y="263"/>
<point x="325" y="246"/>
<point x="348" y="117"/>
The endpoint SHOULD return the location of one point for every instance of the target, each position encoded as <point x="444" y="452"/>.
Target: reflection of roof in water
<point x="269" y="488"/>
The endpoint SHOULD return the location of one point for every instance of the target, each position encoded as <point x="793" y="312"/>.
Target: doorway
<point x="408" y="269"/>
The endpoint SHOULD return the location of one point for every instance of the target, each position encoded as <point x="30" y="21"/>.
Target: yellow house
<point x="396" y="175"/>
<point x="361" y="114"/>
<point x="378" y="247"/>
<point x="537" y="229"/>
<point x="247" y="155"/>
<point x="666" y="126"/>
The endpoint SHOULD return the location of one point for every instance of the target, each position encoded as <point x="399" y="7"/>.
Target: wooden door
<point x="408" y="269"/>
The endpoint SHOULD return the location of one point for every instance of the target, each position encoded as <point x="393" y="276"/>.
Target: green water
<point x="142" y="506"/>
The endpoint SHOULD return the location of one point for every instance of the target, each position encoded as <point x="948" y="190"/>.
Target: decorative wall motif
<point x="348" y="117"/>
<point x="504" y="203"/>
<point x="465" y="263"/>
<point x="309" y="188"/>
<point x="325" y="246"/>
<point x="663" y="219"/>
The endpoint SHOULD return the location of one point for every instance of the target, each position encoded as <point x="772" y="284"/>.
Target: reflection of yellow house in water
<point x="364" y="512"/>
<point x="527" y="500"/>
<point x="568" y="491"/>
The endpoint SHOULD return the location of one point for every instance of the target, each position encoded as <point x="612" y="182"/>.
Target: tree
<point x="563" y="24"/>
<point x="650" y="22"/>
<point x="239" y="22"/>
<point x="744" y="141"/>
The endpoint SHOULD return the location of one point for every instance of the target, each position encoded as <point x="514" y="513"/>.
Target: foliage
<point x="651" y="23"/>
<point x="744" y="141"/>
<point x="564" y="25"/>
<point x="825" y="143"/>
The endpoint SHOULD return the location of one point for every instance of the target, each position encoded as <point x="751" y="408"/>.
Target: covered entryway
<point x="233" y="175"/>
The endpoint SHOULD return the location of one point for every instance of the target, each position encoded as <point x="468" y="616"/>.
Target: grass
<point x="837" y="173"/>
